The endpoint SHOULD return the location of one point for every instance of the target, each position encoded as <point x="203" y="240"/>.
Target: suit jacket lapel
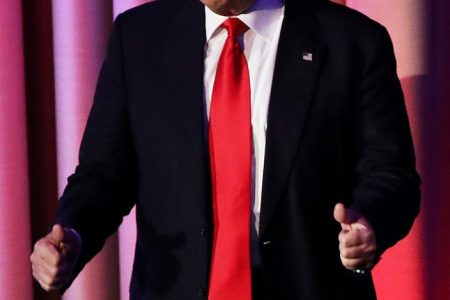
<point x="296" y="70"/>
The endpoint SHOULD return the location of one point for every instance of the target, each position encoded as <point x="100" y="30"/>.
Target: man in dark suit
<point x="336" y="141"/>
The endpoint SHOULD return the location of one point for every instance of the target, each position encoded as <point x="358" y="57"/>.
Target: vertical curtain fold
<point x="437" y="181"/>
<point x="81" y="29"/>
<point x="39" y="79"/>
<point x="15" y="236"/>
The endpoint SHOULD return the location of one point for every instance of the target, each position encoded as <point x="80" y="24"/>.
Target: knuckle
<point x="35" y="275"/>
<point x="44" y="285"/>
<point x="37" y="245"/>
<point x="344" y="252"/>
<point x="352" y="264"/>
<point x="341" y="236"/>
<point x="50" y="281"/>
<point x="347" y="241"/>
<point x="34" y="268"/>
<point x="41" y="246"/>
<point x="346" y="263"/>
<point x="347" y="253"/>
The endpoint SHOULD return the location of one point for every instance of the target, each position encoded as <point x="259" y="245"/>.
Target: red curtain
<point x="14" y="204"/>
<point x="50" y="54"/>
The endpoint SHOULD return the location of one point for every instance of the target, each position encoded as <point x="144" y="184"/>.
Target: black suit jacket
<point x="337" y="132"/>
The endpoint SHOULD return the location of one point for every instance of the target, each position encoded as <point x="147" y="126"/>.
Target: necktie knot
<point x="235" y="27"/>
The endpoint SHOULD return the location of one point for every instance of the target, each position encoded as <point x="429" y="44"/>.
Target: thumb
<point x="57" y="234"/>
<point x="343" y="215"/>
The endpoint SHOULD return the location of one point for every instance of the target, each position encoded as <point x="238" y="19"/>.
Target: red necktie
<point x="230" y="151"/>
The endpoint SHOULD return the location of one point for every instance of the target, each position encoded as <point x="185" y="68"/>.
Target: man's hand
<point x="357" y="241"/>
<point x="54" y="257"/>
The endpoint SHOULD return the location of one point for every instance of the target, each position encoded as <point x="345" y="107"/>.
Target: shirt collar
<point x="261" y="18"/>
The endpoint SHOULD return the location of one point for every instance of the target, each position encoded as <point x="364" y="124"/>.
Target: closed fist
<point x="357" y="241"/>
<point x="54" y="257"/>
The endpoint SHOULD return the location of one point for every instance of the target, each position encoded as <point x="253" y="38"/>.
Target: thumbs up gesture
<point x="357" y="241"/>
<point x="54" y="257"/>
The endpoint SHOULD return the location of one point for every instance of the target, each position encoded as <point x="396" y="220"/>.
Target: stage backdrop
<point x="50" y="55"/>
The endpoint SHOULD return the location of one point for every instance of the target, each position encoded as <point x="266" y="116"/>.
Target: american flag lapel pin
<point x="307" y="56"/>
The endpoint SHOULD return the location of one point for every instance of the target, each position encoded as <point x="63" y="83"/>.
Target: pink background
<point x="50" y="55"/>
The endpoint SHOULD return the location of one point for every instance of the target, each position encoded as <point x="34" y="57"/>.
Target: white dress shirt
<point x="260" y="45"/>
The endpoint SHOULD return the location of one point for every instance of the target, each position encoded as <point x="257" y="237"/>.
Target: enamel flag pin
<point x="307" y="56"/>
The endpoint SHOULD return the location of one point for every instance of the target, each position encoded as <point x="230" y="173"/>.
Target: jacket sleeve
<point x="104" y="186"/>
<point x="387" y="185"/>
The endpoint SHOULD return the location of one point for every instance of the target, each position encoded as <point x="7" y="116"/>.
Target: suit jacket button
<point x="201" y="292"/>
<point x="203" y="231"/>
